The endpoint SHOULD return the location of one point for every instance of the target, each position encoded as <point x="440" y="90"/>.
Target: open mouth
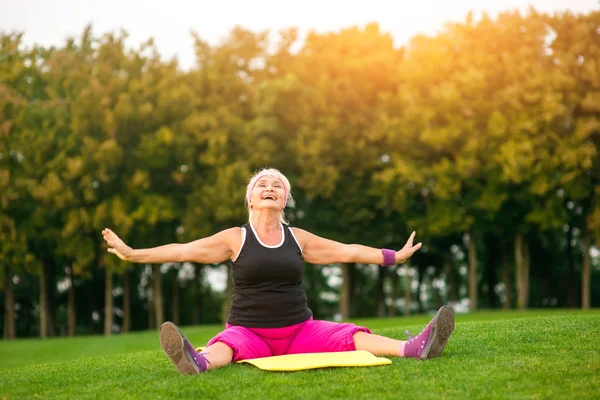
<point x="269" y="197"/>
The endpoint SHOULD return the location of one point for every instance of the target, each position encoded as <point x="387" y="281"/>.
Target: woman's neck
<point x="266" y="224"/>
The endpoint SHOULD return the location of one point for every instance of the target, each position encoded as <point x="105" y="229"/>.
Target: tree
<point x="13" y="104"/>
<point x="573" y="51"/>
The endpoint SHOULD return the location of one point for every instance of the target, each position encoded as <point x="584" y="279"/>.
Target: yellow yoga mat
<point x="300" y="362"/>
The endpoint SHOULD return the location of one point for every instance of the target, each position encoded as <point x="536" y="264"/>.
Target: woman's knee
<point x="243" y="343"/>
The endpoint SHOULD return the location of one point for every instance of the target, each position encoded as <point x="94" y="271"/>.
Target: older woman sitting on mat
<point x="269" y="313"/>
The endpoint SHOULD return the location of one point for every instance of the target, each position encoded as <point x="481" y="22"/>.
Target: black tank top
<point x="267" y="283"/>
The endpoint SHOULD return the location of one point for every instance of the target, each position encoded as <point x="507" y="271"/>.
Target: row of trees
<point x="484" y="139"/>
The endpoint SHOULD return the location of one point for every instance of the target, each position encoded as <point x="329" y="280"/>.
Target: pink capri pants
<point x="309" y="336"/>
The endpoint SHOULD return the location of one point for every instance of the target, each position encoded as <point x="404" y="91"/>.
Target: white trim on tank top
<point x="297" y="242"/>
<point x="266" y="245"/>
<point x="242" y="246"/>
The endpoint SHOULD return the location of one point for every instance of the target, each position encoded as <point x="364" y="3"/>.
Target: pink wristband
<point x="389" y="257"/>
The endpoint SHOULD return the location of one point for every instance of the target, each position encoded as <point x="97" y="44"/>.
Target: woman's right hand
<point x="116" y="245"/>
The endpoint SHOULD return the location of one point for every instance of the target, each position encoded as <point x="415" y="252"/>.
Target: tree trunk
<point x="126" y="301"/>
<point x="420" y="276"/>
<point x="472" y="272"/>
<point x="407" y="287"/>
<point x="451" y="276"/>
<point x="437" y="296"/>
<point x="151" y="312"/>
<point x="175" y="297"/>
<point x="506" y="279"/>
<point x="521" y="271"/>
<point x="43" y="300"/>
<point x="346" y="290"/>
<point x="393" y="291"/>
<point x="90" y="299"/>
<point x="571" y="279"/>
<point x="197" y="294"/>
<point x="586" y="270"/>
<point x="447" y="270"/>
<point x="51" y="309"/>
<point x="71" y="312"/>
<point x="108" y="301"/>
<point x="380" y="295"/>
<point x="492" y="247"/>
<point x="526" y="269"/>
<point x="158" y="303"/>
<point x="9" y="305"/>
<point x="227" y="302"/>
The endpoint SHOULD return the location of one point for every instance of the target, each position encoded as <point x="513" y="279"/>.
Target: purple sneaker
<point x="180" y="351"/>
<point x="431" y="341"/>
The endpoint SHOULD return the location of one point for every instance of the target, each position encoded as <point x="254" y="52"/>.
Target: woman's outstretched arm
<point x="213" y="249"/>
<point x="318" y="250"/>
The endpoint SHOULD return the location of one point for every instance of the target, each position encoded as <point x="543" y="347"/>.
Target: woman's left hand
<point x="408" y="250"/>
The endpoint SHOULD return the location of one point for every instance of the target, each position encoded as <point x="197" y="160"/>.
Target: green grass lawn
<point x="534" y="354"/>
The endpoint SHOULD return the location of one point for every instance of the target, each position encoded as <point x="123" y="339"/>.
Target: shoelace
<point x="197" y="356"/>
<point x="200" y="356"/>
<point x="409" y="335"/>
<point x="203" y="355"/>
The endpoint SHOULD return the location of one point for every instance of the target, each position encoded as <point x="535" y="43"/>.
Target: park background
<point x="480" y="133"/>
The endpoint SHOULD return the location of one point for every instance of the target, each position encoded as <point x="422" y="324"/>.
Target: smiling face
<point x="268" y="193"/>
<point x="268" y="189"/>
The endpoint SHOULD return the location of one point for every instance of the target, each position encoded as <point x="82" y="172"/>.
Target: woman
<point x="269" y="314"/>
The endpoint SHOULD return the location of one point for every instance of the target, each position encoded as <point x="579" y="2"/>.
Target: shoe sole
<point x="442" y="326"/>
<point x="172" y="343"/>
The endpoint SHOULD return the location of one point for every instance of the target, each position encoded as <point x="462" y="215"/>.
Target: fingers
<point x="412" y="250"/>
<point x="108" y="235"/>
<point x="116" y="252"/>
<point x="409" y="242"/>
<point x="411" y="238"/>
<point x="409" y="249"/>
<point x="110" y="238"/>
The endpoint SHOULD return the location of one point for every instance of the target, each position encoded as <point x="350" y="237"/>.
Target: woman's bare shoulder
<point x="231" y="234"/>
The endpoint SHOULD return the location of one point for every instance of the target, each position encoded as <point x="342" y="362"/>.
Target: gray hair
<point x="272" y="172"/>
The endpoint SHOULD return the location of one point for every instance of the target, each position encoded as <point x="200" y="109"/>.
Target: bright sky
<point x="48" y="22"/>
